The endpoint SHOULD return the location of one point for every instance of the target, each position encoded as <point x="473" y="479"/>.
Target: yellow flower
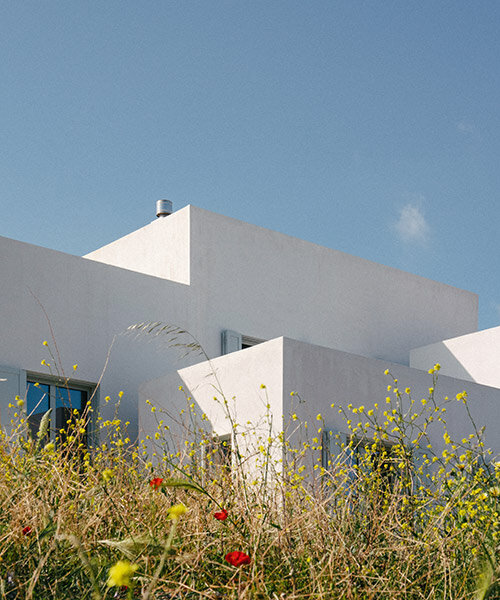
<point x="386" y="372"/>
<point x="107" y="474"/>
<point x="50" y="447"/>
<point x="176" y="511"/>
<point x="20" y="402"/>
<point x="120" y="574"/>
<point x="45" y="343"/>
<point x="75" y="367"/>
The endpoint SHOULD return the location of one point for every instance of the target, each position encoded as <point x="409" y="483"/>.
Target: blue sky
<point x="370" y="127"/>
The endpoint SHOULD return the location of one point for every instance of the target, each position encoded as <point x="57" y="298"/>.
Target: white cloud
<point x="411" y="225"/>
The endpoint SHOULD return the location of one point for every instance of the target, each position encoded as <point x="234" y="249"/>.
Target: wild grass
<point x="374" y="514"/>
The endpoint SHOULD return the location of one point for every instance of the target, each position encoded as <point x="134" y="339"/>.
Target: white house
<point x="321" y="323"/>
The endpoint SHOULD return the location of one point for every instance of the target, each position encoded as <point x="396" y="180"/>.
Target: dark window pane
<point x="70" y="399"/>
<point x="67" y="400"/>
<point x="37" y="404"/>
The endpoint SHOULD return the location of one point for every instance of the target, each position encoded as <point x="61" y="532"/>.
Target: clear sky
<point x="372" y="127"/>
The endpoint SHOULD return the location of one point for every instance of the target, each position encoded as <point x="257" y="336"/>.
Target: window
<point x="218" y="453"/>
<point x="362" y="455"/>
<point x="232" y="341"/>
<point x="67" y="401"/>
<point x="376" y="457"/>
<point x="248" y="341"/>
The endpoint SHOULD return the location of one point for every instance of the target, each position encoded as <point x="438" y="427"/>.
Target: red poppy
<point x="156" y="482"/>
<point x="221" y="516"/>
<point x="27" y="530"/>
<point x="237" y="558"/>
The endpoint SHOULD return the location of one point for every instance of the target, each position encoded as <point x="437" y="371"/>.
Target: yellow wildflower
<point x="107" y="474"/>
<point x="176" y="511"/>
<point x="120" y="574"/>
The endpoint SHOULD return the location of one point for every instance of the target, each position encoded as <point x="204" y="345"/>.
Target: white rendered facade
<point x="335" y="321"/>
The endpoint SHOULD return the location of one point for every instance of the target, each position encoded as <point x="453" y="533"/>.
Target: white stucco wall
<point x="475" y="357"/>
<point x="161" y="248"/>
<point x="88" y="303"/>
<point x="266" y="284"/>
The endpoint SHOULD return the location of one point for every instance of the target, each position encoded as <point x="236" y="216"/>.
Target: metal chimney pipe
<point x="163" y="208"/>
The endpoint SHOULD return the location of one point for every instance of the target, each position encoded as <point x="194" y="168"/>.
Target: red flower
<point x="27" y="530"/>
<point x="156" y="482"/>
<point x="237" y="558"/>
<point x="221" y="516"/>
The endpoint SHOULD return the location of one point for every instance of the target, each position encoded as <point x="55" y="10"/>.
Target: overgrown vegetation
<point x="374" y="513"/>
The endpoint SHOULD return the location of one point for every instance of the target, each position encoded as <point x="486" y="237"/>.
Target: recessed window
<point x="232" y="341"/>
<point x="69" y="403"/>
<point x="248" y="342"/>
<point x="218" y="452"/>
<point x="378" y="457"/>
<point x="364" y="455"/>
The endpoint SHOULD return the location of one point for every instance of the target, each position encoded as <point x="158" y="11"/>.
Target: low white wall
<point x="323" y="376"/>
<point x="318" y="377"/>
<point x="475" y="357"/>
<point x="235" y="378"/>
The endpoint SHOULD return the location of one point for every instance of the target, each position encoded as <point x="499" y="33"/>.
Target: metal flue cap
<point x="163" y="208"/>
